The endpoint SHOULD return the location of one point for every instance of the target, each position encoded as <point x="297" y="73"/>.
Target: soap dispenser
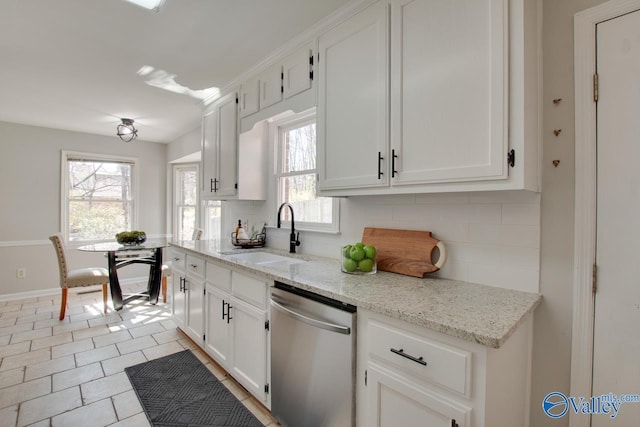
<point x="241" y="234"/>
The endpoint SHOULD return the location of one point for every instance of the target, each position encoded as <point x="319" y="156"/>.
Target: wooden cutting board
<point x="407" y="252"/>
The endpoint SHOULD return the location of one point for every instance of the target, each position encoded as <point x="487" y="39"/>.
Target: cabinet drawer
<point x="219" y="277"/>
<point x="176" y="258"/>
<point x="249" y="289"/>
<point x="195" y="266"/>
<point x="420" y="357"/>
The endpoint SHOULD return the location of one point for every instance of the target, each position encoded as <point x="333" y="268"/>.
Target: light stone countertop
<point x="479" y="313"/>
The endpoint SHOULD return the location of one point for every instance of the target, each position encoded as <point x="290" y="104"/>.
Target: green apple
<point x="349" y="265"/>
<point x="366" y="265"/>
<point x="370" y="252"/>
<point x="359" y="245"/>
<point x="346" y="251"/>
<point x="356" y="253"/>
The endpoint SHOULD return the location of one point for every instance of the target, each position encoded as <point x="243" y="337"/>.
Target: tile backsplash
<point x="492" y="238"/>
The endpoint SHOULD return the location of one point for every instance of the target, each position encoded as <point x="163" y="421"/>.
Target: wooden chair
<point x="166" y="268"/>
<point x="77" y="278"/>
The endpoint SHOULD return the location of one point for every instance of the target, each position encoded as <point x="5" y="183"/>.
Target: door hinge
<point x="365" y="377"/>
<point x="311" y="60"/>
<point x="237" y="102"/>
<point x="594" y="276"/>
<point x="266" y="325"/>
<point x="266" y="388"/>
<point x="311" y="75"/>
<point x="204" y="337"/>
<point x="511" y="158"/>
<point x="454" y="423"/>
<point x="236" y="185"/>
<point x="204" y="291"/>
<point x="595" y="87"/>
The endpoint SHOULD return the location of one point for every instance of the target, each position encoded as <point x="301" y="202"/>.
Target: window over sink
<point x="296" y="176"/>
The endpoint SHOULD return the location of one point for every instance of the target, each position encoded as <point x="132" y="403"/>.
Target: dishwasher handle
<point x="310" y="320"/>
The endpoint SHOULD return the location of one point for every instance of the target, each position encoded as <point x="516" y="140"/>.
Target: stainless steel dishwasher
<point x="313" y="344"/>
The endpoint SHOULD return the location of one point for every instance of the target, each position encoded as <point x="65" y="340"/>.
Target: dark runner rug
<point x="178" y="390"/>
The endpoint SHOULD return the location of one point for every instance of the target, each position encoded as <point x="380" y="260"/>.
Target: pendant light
<point x="126" y="131"/>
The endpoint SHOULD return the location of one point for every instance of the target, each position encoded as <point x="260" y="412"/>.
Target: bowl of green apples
<point x="358" y="258"/>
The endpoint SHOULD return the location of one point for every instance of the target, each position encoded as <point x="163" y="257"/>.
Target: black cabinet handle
<point x="181" y="285"/>
<point x="408" y="356"/>
<point x="223" y="313"/>
<point x="229" y="307"/>
<point x="184" y="285"/>
<point x="214" y="185"/>
<point x="380" y="159"/>
<point x="394" y="156"/>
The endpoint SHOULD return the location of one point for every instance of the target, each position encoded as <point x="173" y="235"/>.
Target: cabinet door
<point x="209" y="152"/>
<point x="228" y="145"/>
<point x="195" y="308"/>
<point x="353" y="114"/>
<point x="271" y="88"/>
<point x="217" y="334"/>
<point x="449" y="91"/>
<point x="298" y="71"/>
<point x="178" y="298"/>
<point x="393" y="401"/>
<point x="249" y="346"/>
<point x="249" y="97"/>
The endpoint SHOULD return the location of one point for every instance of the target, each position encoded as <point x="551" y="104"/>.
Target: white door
<point x="449" y="90"/>
<point x="397" y="402"/>
<point x="249" y="340"/>
<point x="195" y="307"/>
<point x="616" y="358"/>
<point x="228" y="146"/>
<point x="217" y="339"/>
<point x="352" y="120"/>
<point x="297" y="71"/>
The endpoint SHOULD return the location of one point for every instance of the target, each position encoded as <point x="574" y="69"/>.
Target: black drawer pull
<point x="408" y="356"/>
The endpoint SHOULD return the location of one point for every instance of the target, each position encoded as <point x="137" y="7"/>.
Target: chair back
<point x="197" y="234"/>
<point x="58" y="245"/>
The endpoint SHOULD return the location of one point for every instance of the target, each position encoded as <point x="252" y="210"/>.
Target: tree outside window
<point x="99" y="198"/>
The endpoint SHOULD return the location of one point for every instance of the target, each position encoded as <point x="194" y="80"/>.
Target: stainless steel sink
<point x="266" y="259"/>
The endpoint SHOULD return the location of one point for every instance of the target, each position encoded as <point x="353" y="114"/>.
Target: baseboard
<point x="56" y="291"/>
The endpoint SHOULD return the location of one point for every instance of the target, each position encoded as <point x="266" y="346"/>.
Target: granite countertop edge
<point x="483" y="314"/>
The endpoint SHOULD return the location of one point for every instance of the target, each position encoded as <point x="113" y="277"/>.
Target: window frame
<point x="65" y="158"/>
<point x="277" y="129"/>
<point x="176" y="192"/>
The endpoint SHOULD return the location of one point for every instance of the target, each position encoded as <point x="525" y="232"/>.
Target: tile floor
<point x="71" y="372"/>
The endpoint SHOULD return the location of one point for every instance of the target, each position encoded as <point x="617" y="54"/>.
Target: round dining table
<point x="119" y="255"/>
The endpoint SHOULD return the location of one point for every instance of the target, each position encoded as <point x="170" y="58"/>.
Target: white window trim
<point x="276" y="128"/>
<point x="174" y="205"/>
<point x="64" y="188"/>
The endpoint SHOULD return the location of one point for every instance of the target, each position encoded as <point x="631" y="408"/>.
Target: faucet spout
<point x="293" y="237"/>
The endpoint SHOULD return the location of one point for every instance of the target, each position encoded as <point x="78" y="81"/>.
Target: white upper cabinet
<point x="220" y="148"/>
<point x="449" y="87"/>
<point x="271" y="86"/>
<point x="250" y="97"/>
<point x="298" y="71"/>
<point x="430" y="96"/>
<point x="352" y="114"/>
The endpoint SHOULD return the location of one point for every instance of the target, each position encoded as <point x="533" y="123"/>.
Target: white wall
<point x="492" y="238"/>
<point x="30" y="199"/>
<point x="552" y="327"/>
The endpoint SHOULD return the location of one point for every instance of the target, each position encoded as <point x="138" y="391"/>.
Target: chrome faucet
<point x="293" y="237"/>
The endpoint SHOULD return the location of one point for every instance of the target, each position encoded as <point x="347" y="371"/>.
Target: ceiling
<point x="72" y="64"/>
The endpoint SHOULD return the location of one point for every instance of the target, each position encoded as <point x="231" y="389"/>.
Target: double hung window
<point x="99" y="196"/>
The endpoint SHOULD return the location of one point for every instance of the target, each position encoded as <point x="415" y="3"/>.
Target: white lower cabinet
<point x="187" y="302"/>
<point x="237" y="328"/>
<point x="402" y="403"/>
<point x="411" y="376"/>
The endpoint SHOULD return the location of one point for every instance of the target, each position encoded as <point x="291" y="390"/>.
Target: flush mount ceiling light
<point x="154" y="5"/>
<point x="126" y="131"/>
